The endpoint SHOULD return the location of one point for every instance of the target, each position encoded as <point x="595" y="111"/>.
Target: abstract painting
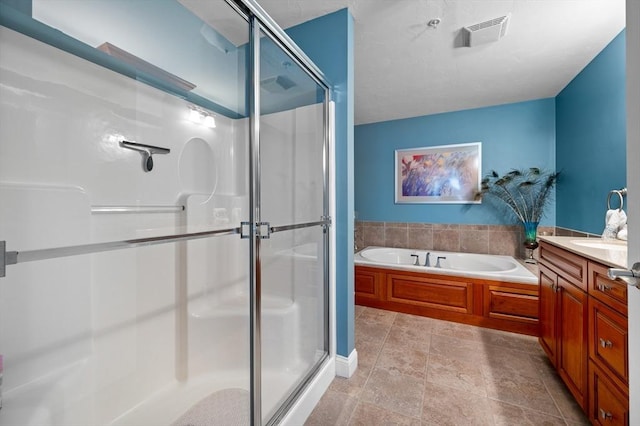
<point x="439" y="174"/>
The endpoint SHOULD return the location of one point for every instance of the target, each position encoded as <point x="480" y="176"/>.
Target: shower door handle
<point x="261" y="227"/>
<point x="245" y="226"/>
<point x="262" y="230"/>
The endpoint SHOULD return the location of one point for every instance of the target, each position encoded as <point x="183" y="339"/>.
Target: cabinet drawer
<point x="430" y="292"/>
<point x="608" y="405"/>
<point x="511" y="303"/>
<point x="571" y="266"/>
<point x="611" y="292"/>
<point x="608" y="337"/>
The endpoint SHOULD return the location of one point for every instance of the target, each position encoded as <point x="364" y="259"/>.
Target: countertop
<point x="615" y="257"/>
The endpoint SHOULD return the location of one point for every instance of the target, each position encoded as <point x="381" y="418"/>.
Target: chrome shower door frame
<point x="261" y="23"/>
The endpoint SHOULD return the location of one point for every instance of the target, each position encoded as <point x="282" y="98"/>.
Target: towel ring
<point x="620" y="193"/>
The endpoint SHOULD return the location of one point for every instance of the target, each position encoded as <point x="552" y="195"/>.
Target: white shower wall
<point x="86" y="338"/>
<point x="96" y="339"/>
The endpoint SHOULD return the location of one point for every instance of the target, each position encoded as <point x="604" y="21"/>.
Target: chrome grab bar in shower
<point x="274" y="229"/>
<point x="15" y="257"/>
<point x="137" y="209"/>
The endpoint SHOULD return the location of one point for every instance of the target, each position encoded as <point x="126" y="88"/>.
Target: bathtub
<point x="472" y="265"/>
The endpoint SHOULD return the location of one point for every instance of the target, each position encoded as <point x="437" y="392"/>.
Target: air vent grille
<point x="485" y="32"/>
<point x="277" y="84"/>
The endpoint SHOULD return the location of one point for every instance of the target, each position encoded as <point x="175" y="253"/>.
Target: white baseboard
<point x="345" y="367"/>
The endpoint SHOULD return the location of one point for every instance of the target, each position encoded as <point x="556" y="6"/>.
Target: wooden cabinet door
<point x="368" y="285"/>
<point x="547" y="315"/>
<point x="572" y="338"/>
<point x="608" y="405"/>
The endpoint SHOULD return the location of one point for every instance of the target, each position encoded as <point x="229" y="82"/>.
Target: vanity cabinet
<point x="583" y="330"/>
<point x="563" y="329"/>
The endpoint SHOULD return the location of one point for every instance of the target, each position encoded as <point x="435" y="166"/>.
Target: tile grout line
<point x="526" y="408"/>
<point x="493" y="413"/>
<point x="365" y="381"/>
<point x="517" y="351"/>
<point x="353" y="411"/>
<point x="419" y="418"/>
<point x="426" y="377"/>
<point x="530" y="409"/>
<point x="358" y="398"/>
<point x="544" y="383"/>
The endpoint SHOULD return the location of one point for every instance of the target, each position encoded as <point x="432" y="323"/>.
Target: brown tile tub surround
<point x="566" y="232"/>
<point x="484" y="239"/>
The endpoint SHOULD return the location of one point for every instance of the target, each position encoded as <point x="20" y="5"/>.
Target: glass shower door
<point x="124" y="283"/>
<point x="292" y="201"/>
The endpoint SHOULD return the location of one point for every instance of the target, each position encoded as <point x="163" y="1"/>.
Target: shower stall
<point x="165" y="223"/>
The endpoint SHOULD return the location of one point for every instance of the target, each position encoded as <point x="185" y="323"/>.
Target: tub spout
<point x="427" y="261"/>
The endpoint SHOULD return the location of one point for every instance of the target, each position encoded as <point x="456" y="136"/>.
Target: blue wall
<point x="161" y="14"/>
<point x="328" y="41"/>
<point x="591" y="140"/>
<point x="519" y="135"/>
<point x="513" y="136"/>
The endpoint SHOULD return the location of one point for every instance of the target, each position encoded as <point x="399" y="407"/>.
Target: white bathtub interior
<point x="138" y="336"/>
<point x="497" y="267"/>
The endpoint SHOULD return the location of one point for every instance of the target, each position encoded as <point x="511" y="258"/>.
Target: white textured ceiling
<point x="403" y="68"/>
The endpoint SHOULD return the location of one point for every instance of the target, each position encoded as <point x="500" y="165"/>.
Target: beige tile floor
<point x="421" y="371"/>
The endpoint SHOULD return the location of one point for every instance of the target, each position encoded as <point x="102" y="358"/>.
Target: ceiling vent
<point x="485" y="32"/>
<point x="277" y="84"/>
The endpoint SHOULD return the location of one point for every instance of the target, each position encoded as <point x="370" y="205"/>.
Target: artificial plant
<point x="522" y="193"/>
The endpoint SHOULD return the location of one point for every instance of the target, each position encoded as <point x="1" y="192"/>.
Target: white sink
<point x="601" y="244"/>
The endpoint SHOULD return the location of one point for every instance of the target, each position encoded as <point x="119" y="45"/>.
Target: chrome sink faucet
<point x="417" y="259"/>
<point x="438" y="261"/>
<point x="427" y="261"/>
